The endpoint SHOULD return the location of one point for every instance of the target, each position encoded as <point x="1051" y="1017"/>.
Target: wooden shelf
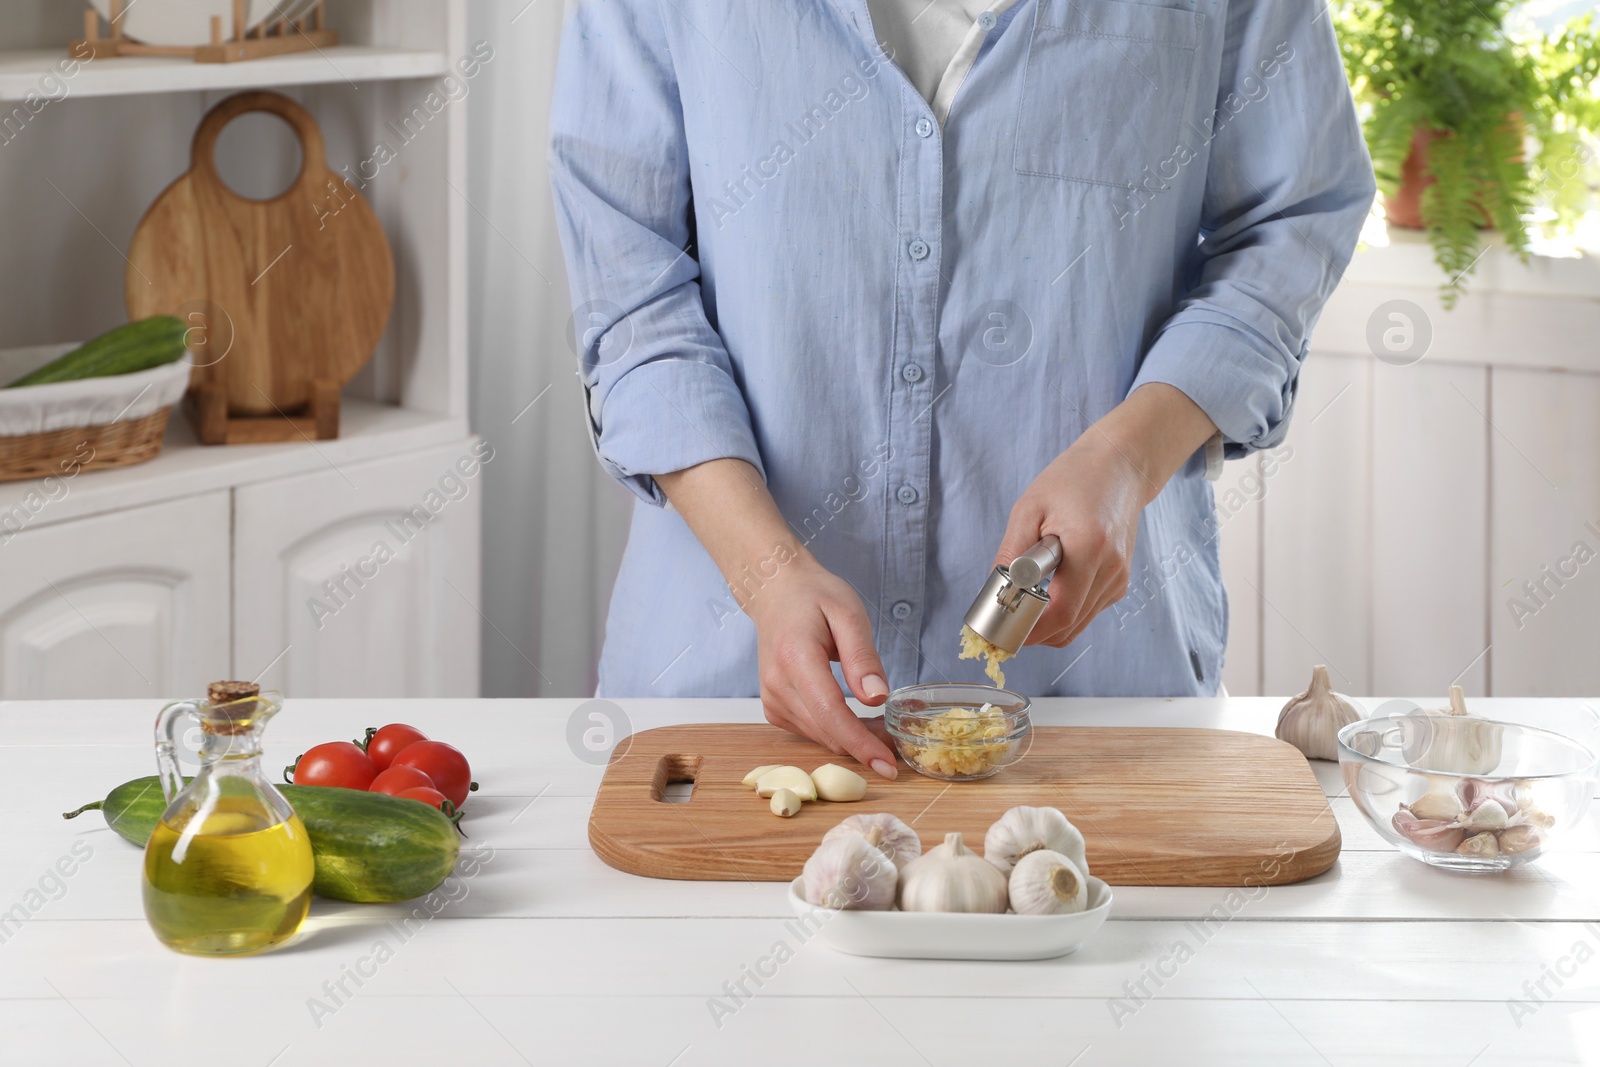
<point x="367" y="431"/>
<point x="21" y="71"/>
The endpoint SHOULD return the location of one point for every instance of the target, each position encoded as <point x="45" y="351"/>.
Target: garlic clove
<point x="1432" y="834"/>
<point x="848" y="874"/>
<point x="1312" y="720"/>
<point x="1516" y="840"/>
<point x="884" y="832"/>
<point x="1532" y="817"/>
<point x="1488" y="815"/>
<point x="1484" y="844"/>
<point x="838" y="784"/>
<point x="951" y="877"/>
<point x="793" y="779"/>
<point x="1047" y="883"/>
<point x="1442" y="807"/>
<point x="754" y="776"/>
<point x="1023" y="830"/>
<point x="784" y="803"/>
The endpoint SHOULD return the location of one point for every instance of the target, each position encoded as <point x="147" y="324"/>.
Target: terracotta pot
<point x="1404" y="208"/>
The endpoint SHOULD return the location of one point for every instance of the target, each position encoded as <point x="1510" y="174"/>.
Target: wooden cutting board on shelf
<point x="1156" y="806"/>
<point x="298" y="288"/>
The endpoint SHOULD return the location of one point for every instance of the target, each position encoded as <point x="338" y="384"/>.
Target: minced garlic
<point x="973" y="646"/>
<point x="963" y="741"/>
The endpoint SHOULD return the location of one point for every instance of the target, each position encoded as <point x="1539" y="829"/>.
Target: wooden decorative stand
<point x="268" y="39"/>
<point x="206" y="405"/>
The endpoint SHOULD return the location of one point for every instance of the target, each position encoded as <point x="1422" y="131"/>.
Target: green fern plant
<point x="1508" y="118"/>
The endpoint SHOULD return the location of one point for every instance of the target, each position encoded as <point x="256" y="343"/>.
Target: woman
<point x="857" y="322"/>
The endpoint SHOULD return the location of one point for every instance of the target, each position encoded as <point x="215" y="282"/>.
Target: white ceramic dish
<point x="180" y="22"/>
<point x="927" y="935"/>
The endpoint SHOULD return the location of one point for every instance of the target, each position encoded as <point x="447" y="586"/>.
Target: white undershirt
<point x="935" y="43"/>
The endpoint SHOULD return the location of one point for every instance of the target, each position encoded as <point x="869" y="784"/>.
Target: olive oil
<point x="235" y="880"/>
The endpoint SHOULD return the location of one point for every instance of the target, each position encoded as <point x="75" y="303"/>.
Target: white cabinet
<point x="133" y="603"/>
<point x="363" y="579"/>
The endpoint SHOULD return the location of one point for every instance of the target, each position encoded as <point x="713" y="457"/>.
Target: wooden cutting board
<point x="1156" y="806"/>
<point x="298" y="287"/>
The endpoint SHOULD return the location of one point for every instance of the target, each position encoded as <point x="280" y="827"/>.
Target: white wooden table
<point x="545" y="955"/>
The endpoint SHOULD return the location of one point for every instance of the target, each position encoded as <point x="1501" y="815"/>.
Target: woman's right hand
<point x="806" y="619"/>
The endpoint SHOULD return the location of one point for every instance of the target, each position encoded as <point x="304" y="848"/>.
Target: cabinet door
<point x="127" y="604"/>
<point x="362" y="580"/>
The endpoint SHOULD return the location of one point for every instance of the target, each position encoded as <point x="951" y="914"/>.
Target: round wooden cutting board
<point x="299" y="286"/>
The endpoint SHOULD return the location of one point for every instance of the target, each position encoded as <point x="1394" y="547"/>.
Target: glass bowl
<point x="943" y="732"/>
<point x="1462" y="792"/>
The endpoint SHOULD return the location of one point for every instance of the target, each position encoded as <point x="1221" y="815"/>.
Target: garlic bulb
<point x="1047" y="883"/>
<point x="884" y="832"/>
<point x="952" y="877"/>
<point x="848" y="874"/>
<point x="1451" y="739"/>
<point x="1023" y="830"/>
<point x="1312" y="720"/>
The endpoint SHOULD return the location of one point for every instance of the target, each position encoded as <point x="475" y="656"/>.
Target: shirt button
<point x="901" y="610"/>
<point x="987" y="20"/>
<point x="918" y="249"/>
<point x="906" y="494"/>
<point x="924" y="127"/>
<point x="911" y="372"/>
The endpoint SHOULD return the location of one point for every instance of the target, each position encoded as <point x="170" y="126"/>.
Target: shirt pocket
<point x="1106" y="89"/>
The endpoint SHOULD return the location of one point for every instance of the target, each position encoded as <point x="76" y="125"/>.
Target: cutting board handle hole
<point x="673" y="782"/>
<point x="258" y="156"/>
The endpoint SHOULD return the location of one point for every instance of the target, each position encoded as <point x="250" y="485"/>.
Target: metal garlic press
<point x="1013" y="598"/>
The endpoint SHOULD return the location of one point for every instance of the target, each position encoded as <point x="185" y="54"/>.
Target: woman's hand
<point x="1091" y="497"/>
<point x="807" y="618"/>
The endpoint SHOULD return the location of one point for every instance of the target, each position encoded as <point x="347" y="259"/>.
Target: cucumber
<point x="137" y="346"/>
<point x="369" y="847"/>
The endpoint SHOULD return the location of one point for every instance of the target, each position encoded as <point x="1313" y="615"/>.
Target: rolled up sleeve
<point x="662" y="393"/>
<point x="1288" y="187"/>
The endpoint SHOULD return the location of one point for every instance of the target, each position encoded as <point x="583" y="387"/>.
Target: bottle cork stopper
<point x="235" y="719"/>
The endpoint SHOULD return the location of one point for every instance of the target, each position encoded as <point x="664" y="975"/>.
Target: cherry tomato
<point x="396" y="780"/>
<point x="429" y="796"/>
<point x="387" y="742"/>
<point x="444" y="764"/>
<point x="337" y="763"/>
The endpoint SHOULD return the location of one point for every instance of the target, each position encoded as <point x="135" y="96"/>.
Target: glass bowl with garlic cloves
<point x="1465" y="793"/>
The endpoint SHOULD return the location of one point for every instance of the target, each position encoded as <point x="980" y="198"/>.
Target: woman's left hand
<point x="1091" y="497"/>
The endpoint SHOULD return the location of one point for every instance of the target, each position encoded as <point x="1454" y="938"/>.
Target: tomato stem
<point x="367" y="740"/>
<point x="288" y="772"/>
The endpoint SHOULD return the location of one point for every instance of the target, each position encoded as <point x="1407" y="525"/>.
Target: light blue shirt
<point x="778" y="254"/>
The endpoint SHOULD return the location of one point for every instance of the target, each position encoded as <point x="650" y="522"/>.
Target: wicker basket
<point x="94" y="424"/>
<point x="115" y="444"/>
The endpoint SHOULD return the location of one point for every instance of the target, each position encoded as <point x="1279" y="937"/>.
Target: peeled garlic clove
<point x="847" y="873"/>
<point x="1023" y="830"/>
<point x="1516" y="840"/>
<point x="784" y="803"/>
<point x="1484" y="844"/>
<point x="1312" y="720"/>
<point x="1443" y="807"/>
<point x="1431" y="834"/>
<point x="754" y="776"/>
<point x="951" y="877"/>
<point x="884" y="832"/>
<point x="838" y="784"/>
<point x="1047" y="883"/>
<point x="793" y="779"/>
